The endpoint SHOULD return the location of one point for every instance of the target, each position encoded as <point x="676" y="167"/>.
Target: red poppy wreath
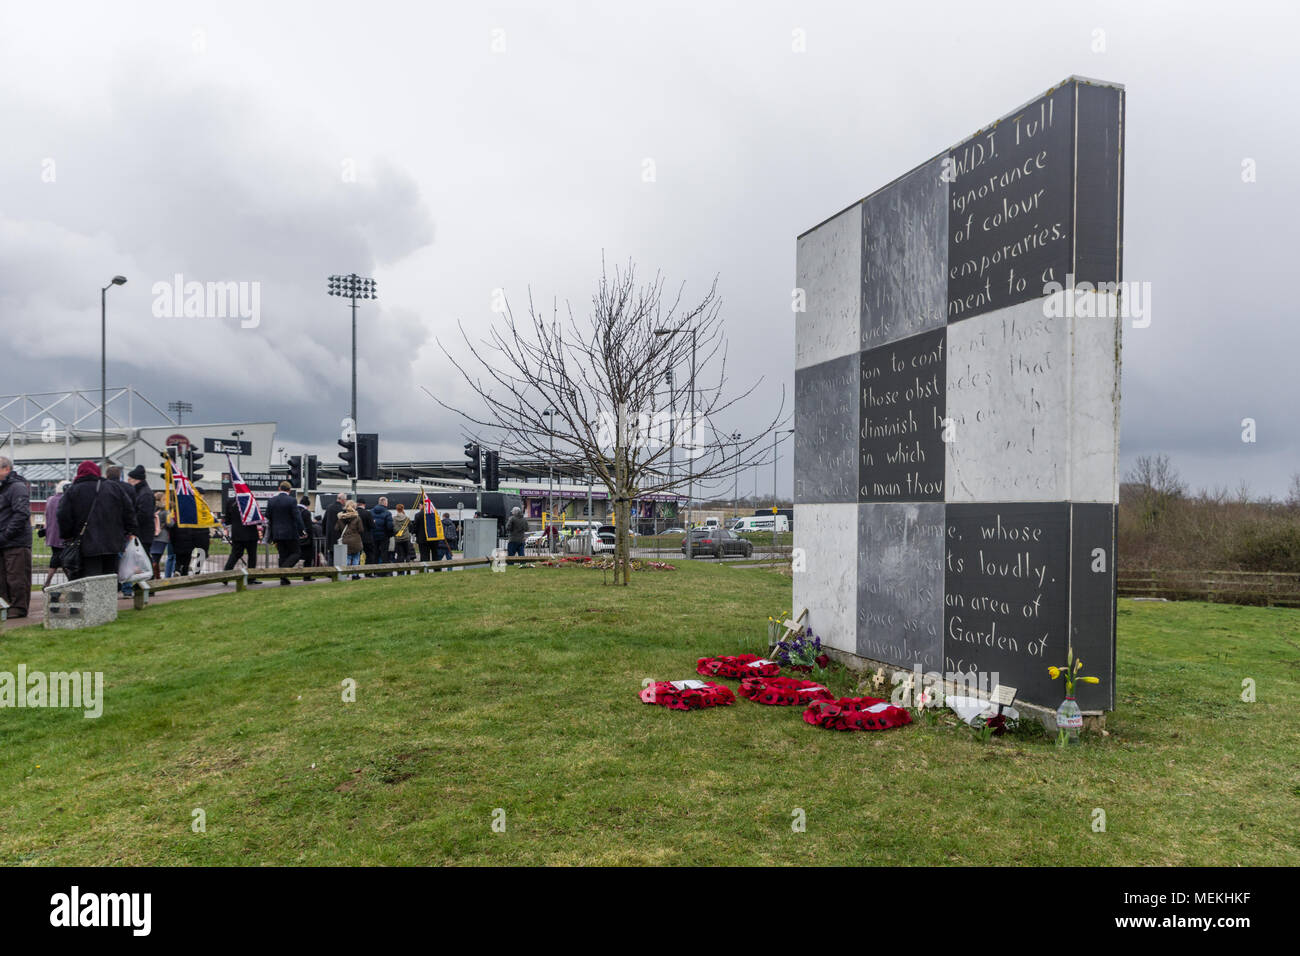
<point x="737" y="666"/>
<point x="855" y="713"/>
<point x="783" y="691"/>
<point x="687" y="694"/>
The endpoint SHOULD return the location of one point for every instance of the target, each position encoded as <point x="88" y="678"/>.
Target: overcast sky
<point x="503" y="146"/>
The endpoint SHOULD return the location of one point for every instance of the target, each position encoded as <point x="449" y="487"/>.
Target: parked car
<point x="603" y="541"/>
<point x="674" y="531"/>
<point x="717" y="542"/>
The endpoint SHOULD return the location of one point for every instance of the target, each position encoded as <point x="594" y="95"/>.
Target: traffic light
<point x="368" y="456"/>
<point x="171" y="453"/>
<point x="473" y="466"/>
<point x="492" y="478"/>
<point x="349" y="458"/>
<point x="311" y="473"/>
<point x="196" y="466"/>
<point x="295" y="470"/>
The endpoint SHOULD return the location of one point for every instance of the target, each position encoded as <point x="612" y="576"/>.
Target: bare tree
<point x="1158" y="485"/>
<point x="612" y="379"/>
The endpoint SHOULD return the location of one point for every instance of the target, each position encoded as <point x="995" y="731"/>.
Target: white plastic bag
<point x="134" y="564"/>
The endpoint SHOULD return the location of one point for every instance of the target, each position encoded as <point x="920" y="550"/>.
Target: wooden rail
<point x="240" y="576"/>
<point x="1268" y="588"/>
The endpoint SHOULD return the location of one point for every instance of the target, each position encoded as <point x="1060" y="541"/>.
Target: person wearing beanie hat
<point x="101" y="515"/>
<point x="146" y="513"/>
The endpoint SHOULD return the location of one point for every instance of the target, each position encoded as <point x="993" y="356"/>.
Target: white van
<point x="761" y="523"/>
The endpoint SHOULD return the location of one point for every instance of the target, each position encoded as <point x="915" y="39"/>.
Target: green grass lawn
<point x="478" y="692"/>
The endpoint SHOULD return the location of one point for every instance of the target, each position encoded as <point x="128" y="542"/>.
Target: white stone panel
<point x="828" y="268"/>
<point x="1008" y="400"/>
<point x="826" y="571"/>
<point x="1094" y="422"/>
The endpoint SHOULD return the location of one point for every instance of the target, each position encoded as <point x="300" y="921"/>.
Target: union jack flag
<point x="249" y="513"/>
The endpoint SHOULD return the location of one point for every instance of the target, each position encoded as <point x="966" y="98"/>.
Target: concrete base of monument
<point x="1094" y="721"/>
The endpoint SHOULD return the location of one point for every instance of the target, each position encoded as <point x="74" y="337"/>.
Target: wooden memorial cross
<point x="794" y="627"/>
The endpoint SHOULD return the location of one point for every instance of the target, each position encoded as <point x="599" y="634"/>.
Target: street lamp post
<point x="550" y="469"/>
<point x="353" y="286"/>
<point x="237" y="435"/>
<point x="690" y="475"/>
<point x="103" y="369"/>
<point x="735" y="493"/>
<point x="672" y="434"/>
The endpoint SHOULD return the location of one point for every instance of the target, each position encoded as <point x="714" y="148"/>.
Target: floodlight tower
<point x="353" y="286"/>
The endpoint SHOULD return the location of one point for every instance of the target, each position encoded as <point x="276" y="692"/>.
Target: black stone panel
<point x="1006" y="594"/>
<point x="904" y="257"/>
<point x="900" y="583"/>
<point x="1010" y="208"/>
<point x="826" y="429"/>
<point x="901" y="454"/>
<point x="1092" y="600"/>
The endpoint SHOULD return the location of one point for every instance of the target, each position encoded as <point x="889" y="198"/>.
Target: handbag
<point x="70" y="557"/>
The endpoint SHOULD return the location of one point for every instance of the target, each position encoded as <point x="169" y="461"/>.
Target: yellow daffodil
<point x="1091" y="680"/>
<point x="1055" y="672"/>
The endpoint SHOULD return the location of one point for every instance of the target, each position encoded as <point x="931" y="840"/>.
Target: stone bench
<point x="86" y="602"/>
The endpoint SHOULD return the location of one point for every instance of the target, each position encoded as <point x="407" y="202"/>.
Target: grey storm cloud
<point x="504" y="147"/>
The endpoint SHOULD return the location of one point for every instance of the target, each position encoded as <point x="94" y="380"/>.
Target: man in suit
<point x="307" y="543"/>
<point x="284" y="521"/>
<point x="243" y="538"/>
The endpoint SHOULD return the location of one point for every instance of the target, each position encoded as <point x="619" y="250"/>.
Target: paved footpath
<point x="36" y="613"/>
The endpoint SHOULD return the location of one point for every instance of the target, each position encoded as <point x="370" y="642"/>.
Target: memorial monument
<point x="957" y="405"/>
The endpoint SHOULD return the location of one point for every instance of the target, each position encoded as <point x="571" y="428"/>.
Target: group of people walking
<point x="93" y="517"/>
<point x="374" y="535"/>
<point x="100" y="513"/>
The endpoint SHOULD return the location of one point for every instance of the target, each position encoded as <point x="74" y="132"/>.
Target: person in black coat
<point x="284" y="524"/>
<point x="306" y="543"/>
<point x="331" y="523"/>
<point x="367" y="531"/>
<point x="15" y="539"/>
<point x="383" y="530"/>
<point x="107" y="513"/>
<point x="423" y="532"/>
<point x="145" y="508"/>
<point x="243" y="537"/>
